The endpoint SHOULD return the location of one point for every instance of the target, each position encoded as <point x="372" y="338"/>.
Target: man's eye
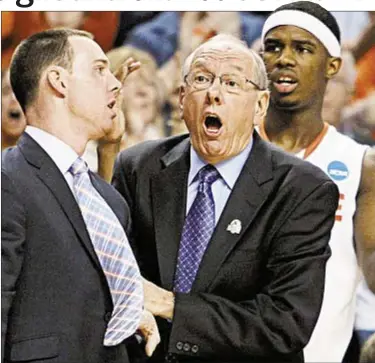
<point x="302" y="49"/>
<point x="231" y="83"/>
<point x="272" y="48"/>
<point x="201" y="79"/>
<point x="101" y="70"/>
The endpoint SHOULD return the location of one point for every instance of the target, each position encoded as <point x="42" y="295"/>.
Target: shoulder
<point x="12" y="177"/>
<point x="149" y="153"/>
<point x="296" y="170"/>
<point x="10" y="160"/>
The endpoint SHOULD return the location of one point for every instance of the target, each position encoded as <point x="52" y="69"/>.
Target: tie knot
<point x="208" y="174"/>
<point x="78" y="167"/>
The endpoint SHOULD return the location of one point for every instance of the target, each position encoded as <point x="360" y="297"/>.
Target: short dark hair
<point x="36" y="53"/>
<point x="318" y="12"/>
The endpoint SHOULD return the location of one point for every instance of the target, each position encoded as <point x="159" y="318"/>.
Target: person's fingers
<point x="152" y="340"/>
<point x="129" y="66"/>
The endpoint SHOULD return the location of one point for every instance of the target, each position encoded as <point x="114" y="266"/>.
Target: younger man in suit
<point x="231" y="233"/>
<point x="71" y="289"/>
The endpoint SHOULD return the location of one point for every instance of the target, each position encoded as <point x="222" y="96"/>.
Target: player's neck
<point x="292" y="131"/>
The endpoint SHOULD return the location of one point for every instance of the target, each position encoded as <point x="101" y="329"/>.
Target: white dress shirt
<point x="221" y="188"/>
<point x="61" y="154"/>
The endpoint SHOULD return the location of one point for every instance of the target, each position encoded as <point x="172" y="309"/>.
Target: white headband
<point x="305" y="21"/>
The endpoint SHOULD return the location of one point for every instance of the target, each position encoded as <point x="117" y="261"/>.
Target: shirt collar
<point x="62" y="154"/>
<point x="229" y="169"/>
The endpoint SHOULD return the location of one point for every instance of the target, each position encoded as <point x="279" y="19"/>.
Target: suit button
<point x="179" y="345"/>
<point x="107" y="316"/>
<point x="170" y="358"/>
<point x="195" y="348"/>
<point x="187" y="347"/>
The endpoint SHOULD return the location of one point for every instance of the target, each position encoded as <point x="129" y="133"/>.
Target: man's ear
<point x="333" y="66"/>
<point x="57" y="79"/>
<point x="181" y="97"/>
<point x="262" y="104"/>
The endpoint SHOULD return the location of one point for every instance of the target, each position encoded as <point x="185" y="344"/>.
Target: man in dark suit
<point x="62" y="227"/>
<point x="230" y="232"/>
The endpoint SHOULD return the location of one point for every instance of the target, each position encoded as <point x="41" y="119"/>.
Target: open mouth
<point x="111" y="104"/>
<point x="212" y="125"/>
<point x="285" y="84"/>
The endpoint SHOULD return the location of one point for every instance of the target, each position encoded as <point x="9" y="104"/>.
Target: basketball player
<point x="301" y="44"/>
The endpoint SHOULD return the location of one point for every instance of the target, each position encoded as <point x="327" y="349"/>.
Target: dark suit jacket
<point x="257" y="294"/>
<point x="55" y="299"/>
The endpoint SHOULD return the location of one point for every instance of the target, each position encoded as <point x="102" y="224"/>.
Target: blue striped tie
<point x="115" y="255"/>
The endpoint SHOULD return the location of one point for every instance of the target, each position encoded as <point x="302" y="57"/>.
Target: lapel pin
<point x="235" y="226"/>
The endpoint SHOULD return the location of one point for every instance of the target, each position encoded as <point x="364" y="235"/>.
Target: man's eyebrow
<point x="238" y="68"/>
<point x="273" y="40"/>
<point x="295" y="41"/>
<point x="305" y="42"/>
<point x="101" y="60"/>
<point x="199" y="64"/>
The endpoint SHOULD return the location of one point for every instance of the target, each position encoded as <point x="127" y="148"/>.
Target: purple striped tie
<point x="115" y="255"/>
<point x="197" y="231"/>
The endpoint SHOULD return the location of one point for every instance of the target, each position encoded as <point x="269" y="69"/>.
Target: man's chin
<point x="284" y="103"/>
<point x="213" y="151"/>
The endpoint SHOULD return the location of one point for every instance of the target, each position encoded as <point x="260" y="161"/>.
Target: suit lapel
<point x="168" y="190"/>
<point x="50" y="175"/>
<point x="243" y="206"/>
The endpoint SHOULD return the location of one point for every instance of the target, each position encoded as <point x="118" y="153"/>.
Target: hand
<point x="158" y="301"/>
<point x="149" y="330"/>
<point x="118" y="128"/>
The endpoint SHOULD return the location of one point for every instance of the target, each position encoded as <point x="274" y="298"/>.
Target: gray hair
<point x="260" y="73"/>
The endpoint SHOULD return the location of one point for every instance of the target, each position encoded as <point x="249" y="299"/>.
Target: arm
<point x="13" y="236"/>
<point x="364" y="219"/>
<point x="281" y="317"/>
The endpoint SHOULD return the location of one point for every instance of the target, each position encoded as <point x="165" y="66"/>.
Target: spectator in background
<point x="143" y="96"/>
<point x="130" y="19"/>
<point x="171" y="31"/>
<point x="19" y="25"/>
<point x="364" y="53"/>
<point x="13" y="121"/>
<point x="339" y="91"/>
<point x="352" y="24"/>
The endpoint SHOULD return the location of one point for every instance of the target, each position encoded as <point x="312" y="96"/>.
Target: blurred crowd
<point x="162" y="40"/>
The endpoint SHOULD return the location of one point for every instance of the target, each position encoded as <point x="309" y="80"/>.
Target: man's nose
<point x="214" y="92"/>
<point x="286" y="58"/>
<point x="115" y="84"/>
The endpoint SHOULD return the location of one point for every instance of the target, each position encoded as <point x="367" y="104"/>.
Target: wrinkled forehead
<point x="232" y="57"/>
